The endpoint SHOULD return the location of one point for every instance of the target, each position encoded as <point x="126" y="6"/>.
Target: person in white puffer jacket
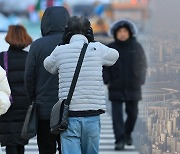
<point x="88" y="101"/>
<point x="4" y="92"/>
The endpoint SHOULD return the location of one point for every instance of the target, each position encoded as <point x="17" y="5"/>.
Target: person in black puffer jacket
<point x="11" y="123"/>
<point x="124" y="80"/>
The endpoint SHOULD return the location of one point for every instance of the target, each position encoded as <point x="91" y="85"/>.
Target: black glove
<point x="67" y="36"/>
<point x="89" y="35"/>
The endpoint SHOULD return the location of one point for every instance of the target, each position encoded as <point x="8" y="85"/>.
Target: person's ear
<point x="89" y="35"/>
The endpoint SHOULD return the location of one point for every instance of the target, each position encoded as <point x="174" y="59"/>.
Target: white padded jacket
<point x="89" y="93"/>
<point x="4" y="92"/>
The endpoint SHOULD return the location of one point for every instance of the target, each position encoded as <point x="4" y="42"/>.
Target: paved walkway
<point x="106" y="142"/>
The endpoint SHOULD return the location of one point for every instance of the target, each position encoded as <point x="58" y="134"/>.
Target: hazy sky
<point x="166" y="13"/>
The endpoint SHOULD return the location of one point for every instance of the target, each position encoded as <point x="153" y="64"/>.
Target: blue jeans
<point x="82" y="136"/>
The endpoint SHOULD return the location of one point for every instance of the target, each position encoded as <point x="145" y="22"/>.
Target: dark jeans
<point x="47" y="142"/>
<point x="15" y="149"/>
<point x="121" y="128"/>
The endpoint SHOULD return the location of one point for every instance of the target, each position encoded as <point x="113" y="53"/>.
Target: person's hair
<point x="18" y="37"/>
<point x="79" y="25"/>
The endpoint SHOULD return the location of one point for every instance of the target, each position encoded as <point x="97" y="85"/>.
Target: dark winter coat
<point x="41" y="86"/>
<point x="11" y="123"/>
<point x="126" y="77"/>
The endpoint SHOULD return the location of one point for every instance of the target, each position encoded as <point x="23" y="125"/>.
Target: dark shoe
<point x="119" y="146"/>
<point x="129" y="140"/>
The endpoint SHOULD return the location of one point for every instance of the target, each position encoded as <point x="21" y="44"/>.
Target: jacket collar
<point x="13" y="48"/>
<point x="78" y="37"/>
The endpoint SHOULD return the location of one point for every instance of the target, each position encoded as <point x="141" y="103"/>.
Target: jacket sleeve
<point x="30" y="74"/>
<point x="4" y="92"/>
<point x="109" y="55"/>
<point x="4" y="82"/>
<point x="50" y="62"/>
<point x="142" y="64"/>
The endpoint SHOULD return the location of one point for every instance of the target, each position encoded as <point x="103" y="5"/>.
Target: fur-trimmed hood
<point x="117" y="24"/>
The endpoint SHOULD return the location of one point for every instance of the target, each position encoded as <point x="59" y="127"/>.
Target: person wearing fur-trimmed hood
<point x="124" y="80"/>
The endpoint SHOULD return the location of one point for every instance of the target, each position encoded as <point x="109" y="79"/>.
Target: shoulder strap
<point x="76" y="74"/>
<point x="5" y="55"/>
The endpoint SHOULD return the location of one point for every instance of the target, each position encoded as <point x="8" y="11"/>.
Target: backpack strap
<point x="5" y="56"/>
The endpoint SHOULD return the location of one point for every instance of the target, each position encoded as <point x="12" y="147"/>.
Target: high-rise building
<point x="178" y="146"/>
<point x="169" y="127"/>
<point x="156" y="151"/>
<point x="161" y="48"/>
<point x="173" y="145"/>
<point x="163" y="137"/>
<point x="166" y="152"/>
<point x="174" y="123"/>
<point x="150" y="121"/>
<point x="167" y="114"/>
